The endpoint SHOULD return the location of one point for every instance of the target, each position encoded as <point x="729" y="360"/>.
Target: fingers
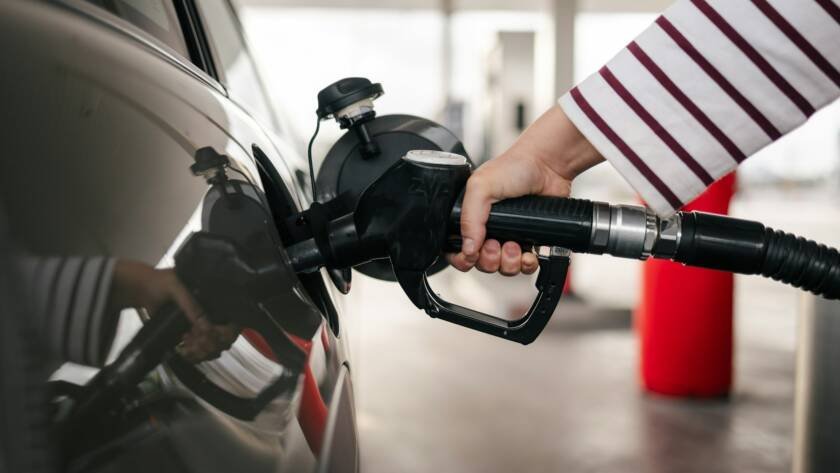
<point x="182" y="297"/>
<point x="508" y="259"/>
<point x="144" y="286"/>
<point x="490" y="257"/>
<point x="459" y="261"/>
<point x="511" y="262"/>
<point x="206" y="341"/>
<point x="530" y="263"/>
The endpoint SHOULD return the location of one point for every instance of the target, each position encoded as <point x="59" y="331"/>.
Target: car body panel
<point x="100" y="126"/>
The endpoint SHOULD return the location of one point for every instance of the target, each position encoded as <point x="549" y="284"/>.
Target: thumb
<point x="181" y="296"/>
<point x="474" y="213"/>
<point x="475" y="210"/>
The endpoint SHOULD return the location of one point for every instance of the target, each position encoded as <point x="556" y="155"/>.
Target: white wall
<point x="301" y="51"/>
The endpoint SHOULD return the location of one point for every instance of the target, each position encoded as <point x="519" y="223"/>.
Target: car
<point x="105" y="105"/>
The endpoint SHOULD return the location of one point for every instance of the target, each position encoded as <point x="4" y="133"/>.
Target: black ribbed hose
<point x="802" y="263"/>
<point x="747" y="247"/>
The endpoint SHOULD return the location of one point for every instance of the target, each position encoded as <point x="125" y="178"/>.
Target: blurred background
<point x="432" y="396"/>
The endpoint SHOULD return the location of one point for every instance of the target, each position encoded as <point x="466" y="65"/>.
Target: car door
<point x="105" y="104"/>
<point x="276" y="158"/>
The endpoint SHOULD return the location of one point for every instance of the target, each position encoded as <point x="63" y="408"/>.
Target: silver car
<point x="105" y="104"/>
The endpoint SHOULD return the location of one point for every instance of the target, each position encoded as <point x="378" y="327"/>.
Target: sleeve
<point x="708" y="84"/>
<point x="69" y="296"/>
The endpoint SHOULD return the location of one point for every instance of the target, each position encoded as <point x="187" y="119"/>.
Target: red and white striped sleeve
<point x="708" y="84"/>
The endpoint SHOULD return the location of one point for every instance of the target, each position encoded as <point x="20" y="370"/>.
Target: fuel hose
<point x="692" y="238"/>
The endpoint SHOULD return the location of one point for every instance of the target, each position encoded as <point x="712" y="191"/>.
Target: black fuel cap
<point x="345" y="92"/>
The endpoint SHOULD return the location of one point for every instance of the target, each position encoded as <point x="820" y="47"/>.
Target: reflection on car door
<point x="107" y="118"/>
<point x="238" y="73"/>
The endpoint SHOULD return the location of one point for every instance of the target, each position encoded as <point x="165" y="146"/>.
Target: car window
<point x="156" y="17"/>
<point x="237" y="69"/>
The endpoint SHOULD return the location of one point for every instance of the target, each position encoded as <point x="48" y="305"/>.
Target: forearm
<point x="556" y="142"/>
<point x="704" y="87"/>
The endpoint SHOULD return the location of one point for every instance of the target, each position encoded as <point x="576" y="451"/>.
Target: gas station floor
<point x="436" y="397"/>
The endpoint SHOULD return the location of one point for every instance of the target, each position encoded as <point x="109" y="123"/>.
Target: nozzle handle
<point x="537" y="221"/>
<point x="554" y="267"/>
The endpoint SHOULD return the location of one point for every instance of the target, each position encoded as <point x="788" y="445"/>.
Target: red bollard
<point x="684" y="319"/>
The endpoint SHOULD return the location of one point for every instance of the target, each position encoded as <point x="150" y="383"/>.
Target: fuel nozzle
<point x="404" y="216"/>
<point x="350" y="102"/>
<point x="411" y="215"/>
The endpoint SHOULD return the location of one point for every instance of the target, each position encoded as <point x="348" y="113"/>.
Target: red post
<point x="684" y="319"/>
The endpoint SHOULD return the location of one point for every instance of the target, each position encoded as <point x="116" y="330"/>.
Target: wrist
<point x="556" y="142"/>
<point x="580" y="154"/>
<point x="130" y="285"/>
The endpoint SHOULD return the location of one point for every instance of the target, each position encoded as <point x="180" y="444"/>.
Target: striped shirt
<point x="708" y="84"/>
<point x="68" y="298"/>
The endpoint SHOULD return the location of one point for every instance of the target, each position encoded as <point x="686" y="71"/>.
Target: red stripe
<point x="780" y="82"/>
<point x="796" y="38"/>
<point x="628" y="152"/>
<point x="686" y="102"/>
<point x="655" y="126"/>
<point x="831" y="8"/>
<point x="719" y="79"/>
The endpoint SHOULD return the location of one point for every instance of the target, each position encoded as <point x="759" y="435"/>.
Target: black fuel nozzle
<point x="405" y="216"/>
<point x="350" y="102"/>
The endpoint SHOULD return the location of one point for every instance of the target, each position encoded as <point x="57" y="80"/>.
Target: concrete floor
<point x="435" y="397"/>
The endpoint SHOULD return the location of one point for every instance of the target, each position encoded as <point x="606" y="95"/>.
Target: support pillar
<point x="564" y="45"/>
<point x="817" y="427"/>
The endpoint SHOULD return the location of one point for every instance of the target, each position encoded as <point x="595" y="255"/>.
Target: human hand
<point x="543" y="161"/>
<point x="136" y="284"/>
